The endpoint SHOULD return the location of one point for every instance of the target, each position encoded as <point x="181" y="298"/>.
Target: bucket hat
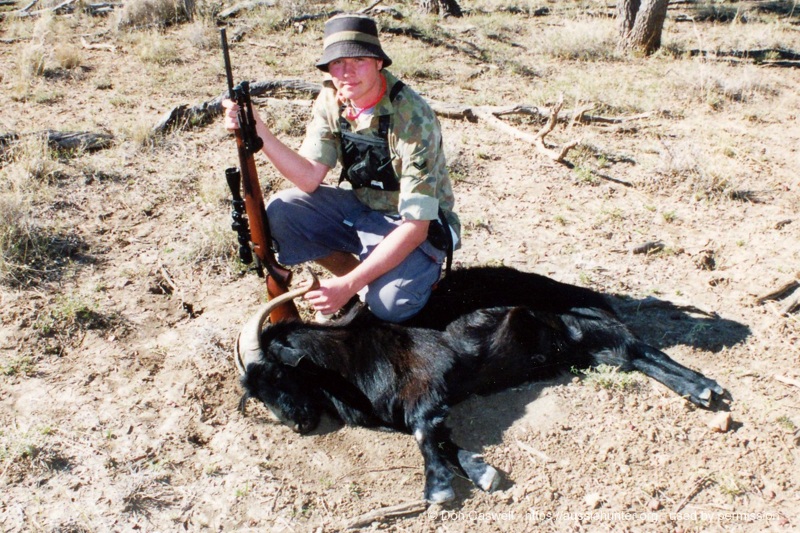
<point x="351" y="35"/>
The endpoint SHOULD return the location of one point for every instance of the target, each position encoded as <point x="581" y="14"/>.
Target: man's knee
<point x="283" y="203"/>
<point x="395" y="305"/>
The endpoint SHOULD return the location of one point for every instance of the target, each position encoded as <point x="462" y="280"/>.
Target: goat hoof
<point x="490" y="479"/>
<point x="484" y="476"/>
<point x="442" y="495"/>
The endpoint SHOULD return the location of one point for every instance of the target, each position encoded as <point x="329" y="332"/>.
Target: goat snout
<point x="304" y="427"/>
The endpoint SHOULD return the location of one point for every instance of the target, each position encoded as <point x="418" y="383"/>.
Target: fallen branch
<point x="792" y="304"/>
<point x="203" y="113"/>
<point x="787" y="381"/>
<point x="388" y="513"/>
<point x="29" y="6"/>
<point x="536" y="140"/>
<point x="61" y="9"/>
<point x="185" y="306"/>
<point x="781" y="293"/>
<point x="648" y="247"/>
<point x="790" y="292"/>
<point x="89" y="46"/>
<point x="696" y="488"/>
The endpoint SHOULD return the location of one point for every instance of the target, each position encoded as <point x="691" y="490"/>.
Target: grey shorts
<point x="306" y="227"/>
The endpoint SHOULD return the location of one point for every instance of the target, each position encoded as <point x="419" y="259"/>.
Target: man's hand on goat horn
<point x="248" y="346"/>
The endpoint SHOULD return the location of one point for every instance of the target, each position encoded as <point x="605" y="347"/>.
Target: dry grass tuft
<point x="31" y="453"/>
<point x="32" y="61"/>
<point x="145" y="492"/>
<point x="202" y="36"/>
<point x="147" y="13"/>
<point x="213" y="243"/>
<point x="153" y="47"/>
<point x="31" y="246"/>
<point x="68" y="56"/>
<point x="581" y="40"/>
<point x="32" y="164"/>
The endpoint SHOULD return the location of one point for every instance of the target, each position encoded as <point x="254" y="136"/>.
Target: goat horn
<point x="248" y="345"/>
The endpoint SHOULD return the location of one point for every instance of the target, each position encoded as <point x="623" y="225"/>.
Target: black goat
<point x="487" y="329"/>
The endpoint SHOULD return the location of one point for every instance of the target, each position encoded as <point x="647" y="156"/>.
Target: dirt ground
<point x="118" y="399"/>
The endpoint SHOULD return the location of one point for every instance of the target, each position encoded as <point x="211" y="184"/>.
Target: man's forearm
<point x="389" y="253"/>
<point x="304" y="174"/>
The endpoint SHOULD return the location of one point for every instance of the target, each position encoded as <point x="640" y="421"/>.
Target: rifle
<point x="249" y="207"/>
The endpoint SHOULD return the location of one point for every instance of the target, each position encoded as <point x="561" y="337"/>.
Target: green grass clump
<point x="610" y="378"/>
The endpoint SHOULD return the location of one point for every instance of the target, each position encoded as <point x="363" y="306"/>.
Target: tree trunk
<point x="445" y="8"/>
<point x="640" y="24"/>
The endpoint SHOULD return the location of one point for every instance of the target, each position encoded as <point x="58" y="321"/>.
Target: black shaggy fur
<point x="485" y="329"/>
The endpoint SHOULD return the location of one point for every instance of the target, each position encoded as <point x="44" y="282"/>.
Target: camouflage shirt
<point x="415" y="143"/>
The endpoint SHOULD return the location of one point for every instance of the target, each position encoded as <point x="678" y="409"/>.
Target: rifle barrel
<point x="227" y="58"/>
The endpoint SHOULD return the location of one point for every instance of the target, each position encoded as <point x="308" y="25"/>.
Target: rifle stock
<point x="278" y="278"/>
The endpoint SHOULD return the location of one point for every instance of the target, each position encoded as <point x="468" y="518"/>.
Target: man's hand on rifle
<point x="305" y="174"/>
<point x="231" y="118"/>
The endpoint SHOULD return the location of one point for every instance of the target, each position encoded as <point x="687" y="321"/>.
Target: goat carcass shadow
<point x="660" y="323"/>
<point x="482" y="421"/>
<point x="664" y="324"/>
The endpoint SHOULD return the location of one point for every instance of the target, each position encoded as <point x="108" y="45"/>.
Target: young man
<point x="385" y="228"/>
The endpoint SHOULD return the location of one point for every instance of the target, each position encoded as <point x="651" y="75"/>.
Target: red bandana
<point x="351" y="114"/>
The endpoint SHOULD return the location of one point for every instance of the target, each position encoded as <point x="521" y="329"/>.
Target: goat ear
<point x="288" y="355"/>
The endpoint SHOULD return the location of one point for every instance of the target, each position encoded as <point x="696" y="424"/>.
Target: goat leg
<point x="648" y="352"/>
<point x="688" y="383"/>
<point x="468" y="463"/>
<point x="438" y="477"/>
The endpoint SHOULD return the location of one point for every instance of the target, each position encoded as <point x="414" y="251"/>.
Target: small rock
<point x="654" y="504"/>
<point x="705" y="260"/>
<point x="593" y="500"/>
<point x="721" y="423"/>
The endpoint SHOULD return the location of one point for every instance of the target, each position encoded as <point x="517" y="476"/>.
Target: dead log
<point x="203" y="113"/>
<point x="79" y="140"/>
<point x="764" y="54"/>
<point x="64" y="140"/>
<point x="244" y="6"/>
<point x="102" y="8"/>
